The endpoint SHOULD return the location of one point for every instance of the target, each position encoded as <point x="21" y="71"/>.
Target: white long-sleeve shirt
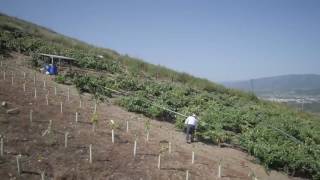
<point x="192" y="121"/>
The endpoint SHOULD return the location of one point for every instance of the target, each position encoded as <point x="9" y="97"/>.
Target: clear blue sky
<point x="219" y="40"/>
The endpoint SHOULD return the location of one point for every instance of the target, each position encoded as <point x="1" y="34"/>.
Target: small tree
<point x="135" y="145"/>
<point x="252" y="175"/>
<point x="147" y="126"/>
<point x="94" y="121"/>
<point x="163" y="148"/>
<point x="113" y="126"/>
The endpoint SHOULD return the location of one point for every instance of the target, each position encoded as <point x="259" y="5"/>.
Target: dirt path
<point x="46" y="153"/>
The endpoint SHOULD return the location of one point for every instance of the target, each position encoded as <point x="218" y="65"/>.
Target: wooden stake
<point x="192" y="161"/>
<point x="95" y="107"/>
<point x="127" y="126"/>
<point x="18" y="164"/>
<point x="1" y="146"/>
<point x="159" y="161"/>
<point x="55" y="90"/>
<point x="219" y="170"/>
<point x="12" y="80"/>
<point x="252" y="175"/>
<point x="45" y="82"/>
<point x="34" y="79"/>
<point x="187" y="175"/>
<point x="61" y="107"/>
<point x="135" y="148"/>
<point x="35" y="93"/>
<point x="31" y="111"/>
<point x="47" y="99"/>
<point x="68" y="94"/>
<point x="169" y="147"/>
<point x="148" y="136"/>
<point x="90" y="153"/>
<point x="76" y="117"/>
<point x="24" y="75"/>
<point x="50" y="126"/>
<point x="24" y="87"/>
<point x="43" y="175"/>
<point x="66" y="139"/>
<point x="80" y="105"/>
<point x="4" y="75"/>
<point x="112" y="134"/>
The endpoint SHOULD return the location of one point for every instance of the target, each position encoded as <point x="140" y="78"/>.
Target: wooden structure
<point x="59" y="61"/>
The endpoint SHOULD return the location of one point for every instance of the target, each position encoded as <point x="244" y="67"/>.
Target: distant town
<point x="295" y="99"/>
<point x="310" y="103"/>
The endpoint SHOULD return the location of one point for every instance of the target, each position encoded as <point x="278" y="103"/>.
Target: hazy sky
<point x="220" y="40"/>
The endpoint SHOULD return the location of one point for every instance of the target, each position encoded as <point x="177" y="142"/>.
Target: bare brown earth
<point x="110" y="161"/>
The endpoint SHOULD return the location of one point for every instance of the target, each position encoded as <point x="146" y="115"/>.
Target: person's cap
<point x="194" y="115"/>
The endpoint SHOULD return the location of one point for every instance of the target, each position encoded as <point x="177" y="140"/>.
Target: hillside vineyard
<point x="280" y="137"/>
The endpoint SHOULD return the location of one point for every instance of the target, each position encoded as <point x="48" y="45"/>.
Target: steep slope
<point x="48" y="154"/>
<point x="278" y="136"/>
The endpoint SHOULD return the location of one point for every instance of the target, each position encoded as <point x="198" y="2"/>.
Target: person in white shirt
<point x="191" y="124"/>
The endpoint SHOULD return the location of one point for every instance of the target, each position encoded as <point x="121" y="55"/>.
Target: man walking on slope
<point x="191" y="124"/>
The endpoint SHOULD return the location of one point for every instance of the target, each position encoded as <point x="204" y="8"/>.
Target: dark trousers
<point x="190" y="132"/>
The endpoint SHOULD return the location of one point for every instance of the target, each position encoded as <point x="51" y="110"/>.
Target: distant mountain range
<point x="289" y="84"/>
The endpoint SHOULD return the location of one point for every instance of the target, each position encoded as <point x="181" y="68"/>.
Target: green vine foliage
<point x="225" y="118"/>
